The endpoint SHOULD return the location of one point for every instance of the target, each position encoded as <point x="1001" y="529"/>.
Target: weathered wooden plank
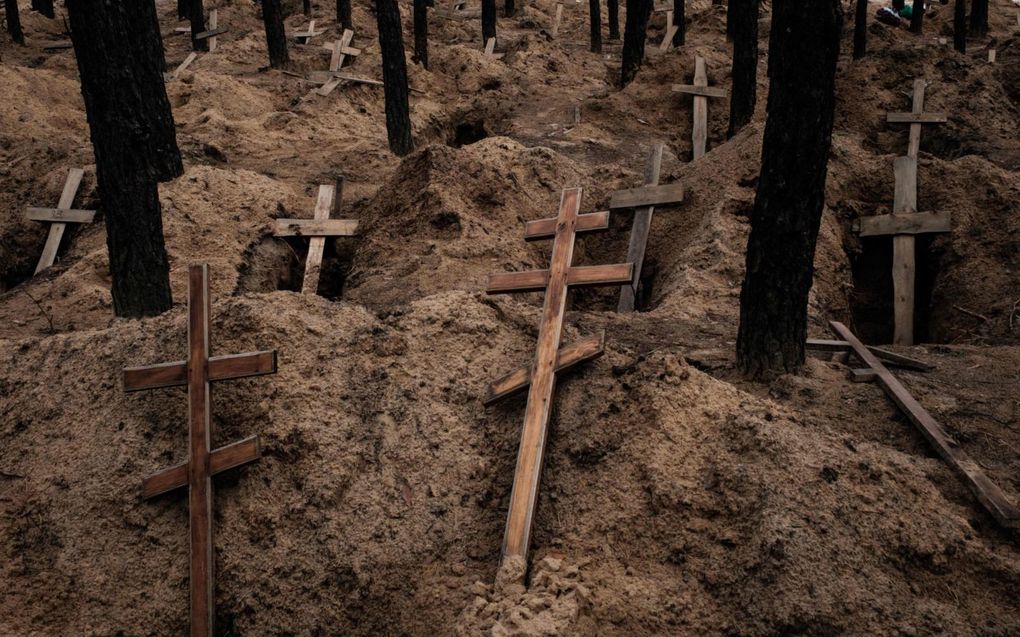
<point x="316" y="227"/>
<point x="640" y="228"/>
<point x="546" y="228"/>
<point x="211" y="33"/>
<point x="700" y="91"/>
<point x="507" y="282"/>
<point x="916" y="223"/>
<point x="67" y="44"/>
<point x="60" y="215"/>
<point x="182" y="66"/>
<point x="56" y="232"/>
<point x="317" y="244"/>
<point x="891" y="358"/>
<point x="917" y="118"/>
<point x="671" y="30"/>
<point x="220" y="460"/>
<point x="175" y="374"/>
<point x="586" y="349"/>
<point x="903" y="274"/>
<point x="986" y="491"/>
<point x="905" y="192"/>
<point x="490" y="46"/>
<point x="649" y="195"/>
<point x="577" y="276"/>
<point x="862" y="375"/>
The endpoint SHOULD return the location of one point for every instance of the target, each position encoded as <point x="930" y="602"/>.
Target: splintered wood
<point x="701" y="92"/>
<point x="318" y="228"/>
<point x="203" y="462"/>
<point x="549" y="359"/>
<point x="987" y="492"/>
<point x="59" y="217"/>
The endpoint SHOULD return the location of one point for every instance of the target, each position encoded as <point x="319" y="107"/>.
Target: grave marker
<point x="59" y="217"/>
<point x="701" y="92"/>
<point x="671" y="30"/>
<point x="490" y="48"/>
<point x="176" y="73"/>
<point x="340" y="49"/>
<point x="203" y="462"/>
<point x="557" y="19"/>
<point x="303" y="37"/>
<point x="549" y="358"/>
<point x="318" y="228"/>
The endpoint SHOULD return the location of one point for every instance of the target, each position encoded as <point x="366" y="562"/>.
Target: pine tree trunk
<point x="730" y="9"/>
<point x="14" y="21"/>
<point x="421" y="32"/>
<point x="45" y="7"/>
<point x="680" y="22"/>
<point x="979" y="17"/>
<point x="307" y="6"/>
<point x="613" y="10"/>
<point x="960" y="26"/>
<point x="196" y="12"/>
<point x="182" y="9"/>
<point x="488" y="20"/>
<point x="343" y="14"/>
<point x="634" y="34"/>
<point x="132" y="131"/>
<point x="917" y="17"/>
<point x="398" y="112"/>
<point x="803" y="49"/>
<point x="861" y="29"/>
<point x="595" y="19"/>
<point x="745" y="64"/>
<point x="898" y="4"/>
<point x="276" y="35"/>
<point x="508" y="8"/>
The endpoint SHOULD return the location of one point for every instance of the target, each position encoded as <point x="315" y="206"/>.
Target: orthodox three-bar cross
<point x="59" y="217"/>
<point x="549" y="358"/>
<point x="203" y="462"/>
<point x="701" y="92"/>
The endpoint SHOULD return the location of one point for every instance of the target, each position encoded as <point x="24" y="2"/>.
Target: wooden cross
<point x="557" y="19"/>
<point x="671" y="30"/>
<point x="701" y="92"/>
<point x="59" y="217"/>
<point x="304" y="36"/>
<point x="643" y="200"/>
<point x="211" y="32"/>
<point x="318" y="228"/>
<point x="549" y="358"/>
<point x="340" y="49"/>
<point x="203" y="462"/>
<point x="173" y="75"/>
<point x="987" y="492"/>
<point x="916" y="118"/>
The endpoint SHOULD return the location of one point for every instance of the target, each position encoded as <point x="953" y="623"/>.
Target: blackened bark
<point x="488" y="20"/>
<point x="595" y="19"/>
<point x="917" y="16"/>
<point x="182" y="9"/>
<point x="45" y="7"/>
<point x="14" y="21"/>
<point x="745" y="63"/>
<point x="860" y="29"/>
<point x="343" y="14"/>
<point x="680" y="21"/>
<point x="421" y="32"/>
<point x="803" y="49"/>
<point x="508" y="8"/>
<point x="960" y="26"/>
<point x="132" y="131"/>
<point x="634" y="32"/>
<point x="398" y="112"/>
<point x="276" y="35"/>
<point x="613" y="11"/>
<point x="196" y="13"/>
<point x="307" y="7"/>
<point x="898" y="4"/>
<point x="730" y="9"/>
<point x="979" y="17"/>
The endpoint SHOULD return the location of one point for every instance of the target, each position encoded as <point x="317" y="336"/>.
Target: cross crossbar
<point x="318" y="228"/>
<point x="546" y="228"/>
<point x="909" y="223"/>
<point x="584" y="350"/>
<point x="229" y="367"/>
<point x="220" y="460"/>
<point x="60" y="217"/>
<point x="648" y="195"/>
<point x="211" y="33"/>
<point x="577" y="276"/>
<point x="917" y="118"/>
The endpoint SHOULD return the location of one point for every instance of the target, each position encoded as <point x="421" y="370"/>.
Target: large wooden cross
<point x="318" y="228"/>
<point x="549" y="358"/>
<point x="987" y="492"/>
<point x="701" y="92"/>
<point x="339" y="50"/>
<point x="203" y="462"/>
<point x="643" y="200"/>
<point x="59" y="217"/>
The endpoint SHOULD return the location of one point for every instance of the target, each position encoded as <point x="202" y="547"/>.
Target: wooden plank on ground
<point x="586" y="349"/>
<point x="891" y="358"/>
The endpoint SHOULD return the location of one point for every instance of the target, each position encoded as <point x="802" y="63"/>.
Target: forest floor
<point x="677" y="498"/>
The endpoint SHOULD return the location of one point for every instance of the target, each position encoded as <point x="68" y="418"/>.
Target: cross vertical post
<point x="639" y="233"/>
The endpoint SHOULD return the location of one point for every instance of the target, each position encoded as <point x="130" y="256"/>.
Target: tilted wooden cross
<point x="340" y="49"/>
<point x="987" y="492"/>
<point x="213" y="29"/>
<point x="490" y="49"/>
<point x="671" y="29"/>
<point x="303" y="37"/>
<point x="643" y="200"/>
<point x="701" y="92"/>
<point x="203" y="462"/>
<point x="59" y="217"/>
<point x="318" y="228"/>
<point x="549" y="358"/>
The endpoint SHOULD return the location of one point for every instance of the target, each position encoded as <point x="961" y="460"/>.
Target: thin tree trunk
<point x="398" y="111"/>
<point x="917" y="16"/>
<point x="132" y="131"/>
<point x="488" y="20"/>
<point x="745" y="63"/>
<point x="276" y="35"/>
<point x="182" y="9"/>
<point x="613" y="11"/>
<point x="343" y="14"/>
<point x="898" y="4"/>
<point x="680" y="22"/>
<point x="509" y="8"/>
<point x="803" y="49"/>
<point x="196" y="13"/>
<point x="979" y="17"/>
<point x="421" y="32"/>
<point x="307" y="6"/>
<point x="595" y="18"/>
<point x="861" y="29"/>
<point x="634" y="34"/>
<point x="14" y="21"/>
<point x="45" y="7"/>
<point x="960" y="26"/>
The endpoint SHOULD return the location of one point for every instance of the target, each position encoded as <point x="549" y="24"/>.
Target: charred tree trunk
<point x="14" y="21"/>
<point x="276" y="35"/>
<point x="488" y="20"/>
<point x="132" y="130"/>
<point x="182" y="9"/>
<point x="917" y="16"/>
<point x="960" y="26"/>
<point x="343" y="14"/>
<point x="730" y="10"/>
<point x="398" y="112"/>
<point x="595" y="17"/>
<point x="196" y="13"/>
<point x="680" y="21"/>
<point x="508" y="8"/>
<point x="45" y="7"/>
<point x="634" y="32"/>
<point x="745" y="64"/>
<point x="421" y="32"/>
<point x="898" y="4"/>
<point x="979" y="17"/>
<point x="613" y="11"/>
<point x="803" y="49"/>
<point x="860" y="29"/>
<point x="307" y="7"/>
